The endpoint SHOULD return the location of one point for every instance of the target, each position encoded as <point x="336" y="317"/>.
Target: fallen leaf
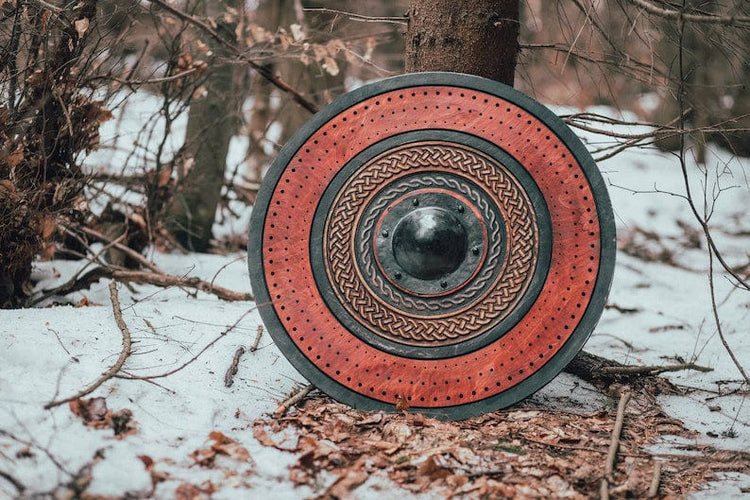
<point x="85" y="302"/>
<point x="91" y="410"/>
<point x="187" y="491"/>
<point x="156" y="476"/>
<point x="14" y="159"/>
<point x="345" y="484"/>
<point x="95" y="413"/>
<point x="433" y="470"/>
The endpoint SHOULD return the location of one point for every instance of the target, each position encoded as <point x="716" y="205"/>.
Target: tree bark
<point x="478" y="37"/>
<point x="212" y="120"/>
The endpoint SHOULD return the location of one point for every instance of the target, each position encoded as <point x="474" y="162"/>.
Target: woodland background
<point x="253" y="71"/>
<point x="134" y="139"/>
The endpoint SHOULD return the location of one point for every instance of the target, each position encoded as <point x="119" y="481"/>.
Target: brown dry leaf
<point x="229" y="447"/>
<point x="47" y="253"/>
<point x="200" y="92"/>
<point x="85" y="302"/>
<point x="261" y="434"/>
<point x="156" y="476"/>
<point x="92" y="410"/>
<point x="222" y="445"/>
<point x="402" y="405"/>
<point x="203" y="457"/>
<point x="47" y="226"/>
<point x="7" y="187"/>
<point x="165" y="174"/>
<point x="345" y="484"/>
<point x="138" y="220"/>
<point x="95" y="413"/>
<point x="15" y="158"/>
<point x="82" y="26"/>
<point x="432" y="469"/>
<point x="187" y="491"/>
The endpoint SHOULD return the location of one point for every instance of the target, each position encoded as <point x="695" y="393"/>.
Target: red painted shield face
<point x="434" y="238"/>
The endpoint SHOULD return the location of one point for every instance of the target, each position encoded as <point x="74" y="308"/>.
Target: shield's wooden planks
<point x="436" y="238"/>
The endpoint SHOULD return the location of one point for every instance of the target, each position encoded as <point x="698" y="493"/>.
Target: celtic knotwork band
<point x="359" y="289"/>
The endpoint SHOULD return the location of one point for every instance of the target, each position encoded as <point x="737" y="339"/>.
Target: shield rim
<point x="532" y="383"/>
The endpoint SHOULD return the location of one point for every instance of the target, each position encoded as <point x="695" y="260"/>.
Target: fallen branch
<point x="602" y="372"/>
<point x="292" y="400"/>
<point x="609" y="466"/>
<point x="652" y="370"/>
<point x="149" y="278"/>
<point x="126" y="349"/>
<point x="232" y="370"/>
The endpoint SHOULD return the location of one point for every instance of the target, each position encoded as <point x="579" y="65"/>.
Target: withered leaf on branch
<point x="81" y="26"/>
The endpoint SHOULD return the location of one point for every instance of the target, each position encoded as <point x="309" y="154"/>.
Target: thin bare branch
<point x="126" y="349"/>
<point x="740" y="21"/>
<point x="359" y="17"/>
<point x="191" y="360"/>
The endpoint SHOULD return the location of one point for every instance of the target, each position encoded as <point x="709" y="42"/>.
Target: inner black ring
<point x="317" y="254"/>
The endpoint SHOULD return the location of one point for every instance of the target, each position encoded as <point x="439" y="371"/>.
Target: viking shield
<point x="435" y="241"/>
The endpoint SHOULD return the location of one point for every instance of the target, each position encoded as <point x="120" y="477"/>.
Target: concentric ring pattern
<point x="434" y="238"/>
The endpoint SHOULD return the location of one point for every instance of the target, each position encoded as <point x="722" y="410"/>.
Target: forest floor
<point x="168" y="426"/>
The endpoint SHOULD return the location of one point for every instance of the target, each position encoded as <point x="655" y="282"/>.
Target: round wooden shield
<point x="435" y="241"/>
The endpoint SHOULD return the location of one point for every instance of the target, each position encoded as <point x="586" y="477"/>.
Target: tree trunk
<point x="479" y="37"/>
<point x="212" y="120"/>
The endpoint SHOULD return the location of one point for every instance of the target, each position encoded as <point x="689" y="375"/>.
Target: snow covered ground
<point x="659" y="312"/>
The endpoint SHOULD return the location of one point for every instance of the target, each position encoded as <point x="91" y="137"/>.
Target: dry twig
<point x="713" y="250"/>
<point x="292" y="400"/>
<point x="614" y="444"/>
<point x="126" y="349"/>
<point x="681" y="16"/>
<point x="653" y="489"/>
<point x="258" y="335"/>
<point x="232" y="370"/>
